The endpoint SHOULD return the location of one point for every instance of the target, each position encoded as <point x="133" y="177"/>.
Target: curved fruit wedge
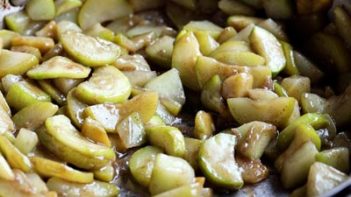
<point x="93" y="12"/>
<point x="145" y="104"/>
<point x="217" y="162"/>
<point x="192" y="147"/>
<point x="49" y="168"/>
<point x="88" y="50"/>
<point x="16" y="63"/>
<point x="169" y="173"/>
<point x="141" y="164"/>
<point x="61" y="138"/>
<point x="296" y="166"/>
<point x="194" y="26"/>
<point x="63" y="6"/>
<point x="41" y="9"/>
<point x="276" y="111"/>
<point x="96" y="188"/>
<point x="33" y="116"/>
<point x="44" y="44"/>
<point x="93" y="130"/>
<point x="287" y="135"/>
<point x="169" y="86"/>
<point x="131" y="131"/>
<point x="240" y="58"/>
<point x="160" y="51"/>
<point x="23" y="94"/>
<point x="268" y="46"/>
<point x="6" y="36"/>
<point x="6" y="122"/>
<point x="52" y="91"/>
<point x="303" y="134"/>
<point x="13" y="156"/>
<point x="75" y="108"/>
<point x="336" y="157"/>
<point x="65" y="85"/>
<point x="106" y="114"/>
<point x="6" y="172"/>
<point x="185" y="53"/>
<point x="107" y="84"/>
<point x="26" y="140"/>
<point x="59" y="67"/>
<point x="323" y="178"/>
<point x="204" y="125"/>
<point x="254" y="138"/>
<point x="24" y="184"/>
<point x="106" y="173"/>
<point x="168" y="138"/>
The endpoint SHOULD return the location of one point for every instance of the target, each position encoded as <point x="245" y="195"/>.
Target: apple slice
<point x="88" y="50"/>
<point x="169" y="173"/>
<point x="93" y="11"/>
<point x="217" y="162"/>
<point x="107" y="84"/>
<point x="269" y="47"/>
<point x="59" y="67"/>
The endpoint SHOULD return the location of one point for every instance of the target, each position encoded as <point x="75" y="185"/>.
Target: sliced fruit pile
<point x="86" y="86"/>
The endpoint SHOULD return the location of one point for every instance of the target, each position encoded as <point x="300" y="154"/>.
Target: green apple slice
<point x="254" y="138"/>
<point x="169" y="173"/>
<point x="240" y="58"/>
<point x="268" y="46"/>
<point x="96" y="188"/>
<point x="204" y="125"/>
<point x="59" y="67"/>
<point x="276" y="111"/>
<point x="106" y="173"/>
<point x="50" y="168"/>
<point x="192" y="147"/>
<point x="323" y="178"/>
<point x="287" y="135"/>
<point x="107" y="84"/>
<point x="63" y="6"/>
<point x="26" y="140"/>
<point x="61" y="138"/>
<point x="185" y="53"/>
<point x="161" y="51"/>
<point x="296" y="166"/>
<point x="88" y="50"/>
<point x="6" y="122"/>
<point x="14" y="157"/>
<point x="23" y="94"/>
<point x="33" y="116"/>
<point x="336" y="157"/>
<point x="41" y="9"/>
<point x="168" y="86"/>
<point x="131" y="131"/>
<point x="65" y="85"/>
<point x="93" y="12"/>
<point x="75" y="109"/>
<point x="141" y="164"/>
<point x="145" y="104"/>
<point x="94" y="130"/>
<point x="303" y="134"/>
<point x="52" y="91"/>
<point x="6" y="172"/>
<point x="168" y="138"/>
<point x="106" y="114"/>
<point x="217" y="162"/>
<point x="16" y="63"/>
<point x="6" y="36"/>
